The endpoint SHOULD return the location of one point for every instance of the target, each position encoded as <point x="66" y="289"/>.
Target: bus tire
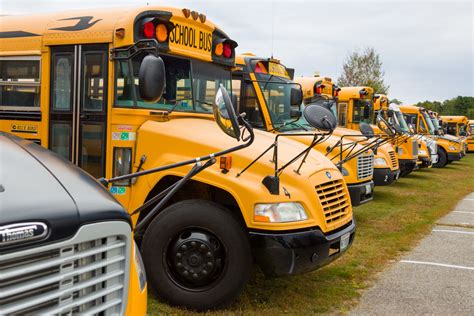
<point x="442" y="159"/>
<point x="196" y="255"/>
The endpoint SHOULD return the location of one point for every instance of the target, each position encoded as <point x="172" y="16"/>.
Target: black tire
<point x="221" y="248"/>
<point x="442" y="158"/>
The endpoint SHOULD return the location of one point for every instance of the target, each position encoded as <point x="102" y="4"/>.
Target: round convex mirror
<point x="384" y="126"/>
<point x="320" y="117"/>
<point x="366" y="130"/>
<point x="224" y="113"/>
<point x="152" y="78"/>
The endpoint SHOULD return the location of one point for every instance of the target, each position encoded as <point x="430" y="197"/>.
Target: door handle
<point x="84" y="116"/>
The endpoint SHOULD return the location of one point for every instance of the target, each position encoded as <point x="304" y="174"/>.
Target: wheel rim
<point x="196" y="259"/>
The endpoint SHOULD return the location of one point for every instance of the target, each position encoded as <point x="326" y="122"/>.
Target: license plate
<point x="345" y="241"/>
<point x="368" y="189"/>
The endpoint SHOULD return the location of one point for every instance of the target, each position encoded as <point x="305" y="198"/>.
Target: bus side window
<point x="19" y="84"/>
<point x="342" y="113"/>
<point x="422" y="125"/>
<point x="94" y="76"/>
<point x="249" y="105"/>
<point x="236" y="86"/>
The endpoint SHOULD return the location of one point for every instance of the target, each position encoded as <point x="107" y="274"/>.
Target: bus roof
<point x="454" y="118"/>
<point x="25" y="34"/>
<point x="347" y="93"/>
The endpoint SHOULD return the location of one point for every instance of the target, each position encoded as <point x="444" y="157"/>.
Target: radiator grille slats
<point x="393" y="159"/>
<point x="365" y="166"/>
<point x="84" y="277"/>
<point x="334" y="200"/>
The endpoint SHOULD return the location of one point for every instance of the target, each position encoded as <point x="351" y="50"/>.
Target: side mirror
<point x="319" y="117"/>
<point x="224" y="113"/>
<point x="366" y="130"/>
<point x="296" y="96"/>
<point x="295" y="113"/>
<point x="152" y="78"/>
<point x="384" y="126"/>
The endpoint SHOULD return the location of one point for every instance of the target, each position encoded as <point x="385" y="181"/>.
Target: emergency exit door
<point x="78" y="105"/>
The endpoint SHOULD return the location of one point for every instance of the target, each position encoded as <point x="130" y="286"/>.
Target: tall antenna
<point x="273" y="24"/>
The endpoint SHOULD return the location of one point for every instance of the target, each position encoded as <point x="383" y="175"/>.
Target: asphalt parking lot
<point x="437" y="277"/>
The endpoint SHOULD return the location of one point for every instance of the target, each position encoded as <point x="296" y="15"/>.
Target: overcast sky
<point x="427" y="47"/>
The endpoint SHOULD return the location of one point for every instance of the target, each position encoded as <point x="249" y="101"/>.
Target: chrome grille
<point x="87" y="274"/>
<point x="393" y="159"/>
<point x="415" y="147"/>
<point x="365" y="166"/>
<point x="334" y="200"/>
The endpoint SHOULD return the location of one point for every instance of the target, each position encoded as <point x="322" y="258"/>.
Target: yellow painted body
<point x="470" y="138"/>
<point x="461" y="123"/>
<point x="422" y="128"/>
<point x="347" y="97"/>
<point x="351" y="166"/>
<point x="166" y="139"/>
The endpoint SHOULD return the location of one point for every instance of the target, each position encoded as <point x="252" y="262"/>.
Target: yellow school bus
<point x="406" y="146"/>
<point x="355" y="106"/>
<point x="449" y="147"/>
<point x="263" y="88"/>
<point x="457" y="125"/>
<point x="70" y="81"/>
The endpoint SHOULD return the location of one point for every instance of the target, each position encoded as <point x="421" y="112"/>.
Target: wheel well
<point x="194" y="190"/>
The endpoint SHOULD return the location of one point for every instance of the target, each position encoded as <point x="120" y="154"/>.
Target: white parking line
<point x="437" y="264"/>
<point x="453" y="231"/>
<point x="463" y="212"/>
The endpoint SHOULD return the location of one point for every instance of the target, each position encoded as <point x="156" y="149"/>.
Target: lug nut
<point x="183" y="247"/>
<point x="179" y="264"/>
<point x="209" y="264"/>
<point x="204" y="272"/>
<point x="203" y="247"/>
<point x="193" y="244"/>
<point x="179" y="255"/>
<point x="209" y="254"/>
<point x="186" y="273"/>
<point x="195" y="275"/>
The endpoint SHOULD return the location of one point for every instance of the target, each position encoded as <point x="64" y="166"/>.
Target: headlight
<point x="279" y="212"/>
<point x="452" y="148"/>
<point x="380" y="161"/>
<point x="344" y="172"/>
<point x="400" y="151"/>
<point x="422" y="152"/>
<point x="139" y="267"/>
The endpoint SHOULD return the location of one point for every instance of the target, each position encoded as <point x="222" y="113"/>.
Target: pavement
<point x="436" y="278"/>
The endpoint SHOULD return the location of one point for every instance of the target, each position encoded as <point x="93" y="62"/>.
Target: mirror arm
<point x="198" y="167"/>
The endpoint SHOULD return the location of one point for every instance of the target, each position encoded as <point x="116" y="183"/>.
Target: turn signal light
<point x="161" y="32"/>
<point x="148" y="29"/>
<point x="225" y="163"/>
<point x="219" y="49"/>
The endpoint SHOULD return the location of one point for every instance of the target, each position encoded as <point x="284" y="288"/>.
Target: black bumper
<point x="425" y="162"/>
<point x="406" y="165"/>
<point x="455" y="156"/>
<point x="361" y="193"/>
<point x="385" y="176"/>
<point x="294" y="253"/>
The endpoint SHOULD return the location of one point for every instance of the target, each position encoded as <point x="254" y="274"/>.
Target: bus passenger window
<point x="342" y="119"/>
<point x="62" y="81"/>
<point x="19" y="84"/>
<point x="249" y="105"/>
<point x="236" y="85"/>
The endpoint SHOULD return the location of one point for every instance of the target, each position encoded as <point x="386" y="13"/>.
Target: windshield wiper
<point x="178" y="102"/>
<point x="285" y="124"/>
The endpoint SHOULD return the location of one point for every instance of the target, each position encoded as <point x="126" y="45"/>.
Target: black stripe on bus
<point x="20" y="116"/>
<point x="12" y="34"/>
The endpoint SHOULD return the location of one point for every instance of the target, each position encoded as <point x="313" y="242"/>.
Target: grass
<point x="399" y="216"/>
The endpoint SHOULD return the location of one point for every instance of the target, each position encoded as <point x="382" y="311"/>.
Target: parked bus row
<point x="213" y="161"/>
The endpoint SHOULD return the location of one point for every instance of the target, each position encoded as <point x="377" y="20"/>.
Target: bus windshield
<point x="363" y="111"/>
<point x="431" y="128"/>
<point x="401" y="121"/>
<point x="435" y="123"/>
<point x="277" y="93"/>
<point x="191" y="85"/>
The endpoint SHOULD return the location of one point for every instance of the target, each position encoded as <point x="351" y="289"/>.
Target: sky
<point x="427" y="47"/>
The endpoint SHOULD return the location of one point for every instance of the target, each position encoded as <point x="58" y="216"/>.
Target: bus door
<point x="78" y="107"/>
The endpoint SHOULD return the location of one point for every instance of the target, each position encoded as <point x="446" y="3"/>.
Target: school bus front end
<point x="358" y="171"/>
<point x="355" y="105"/>
<point x="457" y="126"/>
<point x="470" y="138"/>
<point x="449" y="148"/>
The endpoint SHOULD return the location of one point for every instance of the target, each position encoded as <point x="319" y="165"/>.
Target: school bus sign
<point x="190" y="38"/>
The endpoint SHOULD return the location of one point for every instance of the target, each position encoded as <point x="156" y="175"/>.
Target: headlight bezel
<point x="277" y="213"/>
<point x="380" y="162"/>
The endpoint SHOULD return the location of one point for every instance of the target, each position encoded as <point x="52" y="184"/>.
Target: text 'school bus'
<point x="427" y="148"/>
<point x="449" y="147"/>
<point x="66" y="245"/>
<point x="69" y="81"/>
<point x="353" y="107"/>
<point x="263" y="88"/>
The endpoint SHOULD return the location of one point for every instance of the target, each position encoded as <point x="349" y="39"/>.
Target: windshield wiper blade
<point x="178" y="102"/>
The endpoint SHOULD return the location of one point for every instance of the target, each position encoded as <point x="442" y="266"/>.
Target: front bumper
<point x="385" y="176"/>
<point x="361" y="192"/>
<point x="454" y="156"/>
<point x="425" y="162"/>
<point x="294" y="253"/>
<point x="407" y="165"/>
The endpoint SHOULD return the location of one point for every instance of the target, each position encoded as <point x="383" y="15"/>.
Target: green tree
<point x="396" y="101"/>
<point x="363" y="69"/>
<point x="456" y="106"/>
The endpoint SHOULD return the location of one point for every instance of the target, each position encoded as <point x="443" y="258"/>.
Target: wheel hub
<point x="196" y="258"/>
